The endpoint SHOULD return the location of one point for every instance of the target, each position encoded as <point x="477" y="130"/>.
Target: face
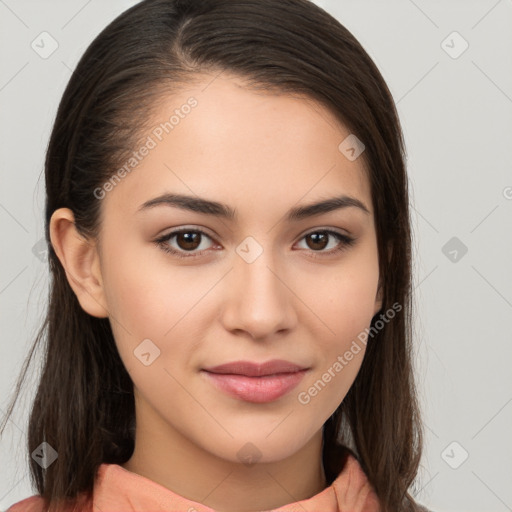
<point x="255" y="286"/>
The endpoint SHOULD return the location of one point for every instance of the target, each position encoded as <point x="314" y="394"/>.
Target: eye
<point x="319" y="239"/>
<point x="189" y="240"/>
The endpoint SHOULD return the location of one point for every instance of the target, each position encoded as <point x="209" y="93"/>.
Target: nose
<point x="259" y="298"/>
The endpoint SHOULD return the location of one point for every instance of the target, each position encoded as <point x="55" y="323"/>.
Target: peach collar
<point x="116" y="488"/>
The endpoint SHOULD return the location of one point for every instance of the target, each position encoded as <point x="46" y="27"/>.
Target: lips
<point x="256" y="382"/>
<point x="250" y="369"/>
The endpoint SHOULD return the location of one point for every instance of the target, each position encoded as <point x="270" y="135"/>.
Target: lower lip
<point x="256" y="389"/>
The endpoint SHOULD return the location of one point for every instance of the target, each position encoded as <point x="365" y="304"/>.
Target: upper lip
<point x="251" y="369"/>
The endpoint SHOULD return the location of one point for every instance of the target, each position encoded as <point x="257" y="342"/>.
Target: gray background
<point x="456" y="112"/>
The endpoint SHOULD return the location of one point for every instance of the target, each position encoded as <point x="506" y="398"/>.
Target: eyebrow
<point x="216" y="209"/>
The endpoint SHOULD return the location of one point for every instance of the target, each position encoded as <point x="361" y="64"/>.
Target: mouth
<point x="256" y="382"/>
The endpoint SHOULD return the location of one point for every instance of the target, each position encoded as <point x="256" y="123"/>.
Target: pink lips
<point x="254" y="382"/>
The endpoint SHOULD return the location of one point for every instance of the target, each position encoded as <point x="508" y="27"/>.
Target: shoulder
<point x="32" y="504"/>
<point x="37" y="503"/>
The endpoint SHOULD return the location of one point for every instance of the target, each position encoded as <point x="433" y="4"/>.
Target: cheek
<point x="137" y="300"/>
<point x="149" y="299"/>
<point x="344" y="298"/>
<point x="346" y="313"/>
<point x="144" y="293"/>
<point x="340" y="347"/>
<point x="345" y="304"/>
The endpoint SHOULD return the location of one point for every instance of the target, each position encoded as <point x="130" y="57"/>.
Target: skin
<point x="261" y="154"/>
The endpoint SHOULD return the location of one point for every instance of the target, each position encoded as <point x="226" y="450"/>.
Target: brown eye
<point x="319" y="240"/>
<point x="187" y="240"/>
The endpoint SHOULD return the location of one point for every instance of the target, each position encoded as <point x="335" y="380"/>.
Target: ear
<point x="80" y="260"/>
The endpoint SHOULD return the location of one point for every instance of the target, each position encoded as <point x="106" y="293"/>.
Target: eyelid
<point x="340" y="231"/>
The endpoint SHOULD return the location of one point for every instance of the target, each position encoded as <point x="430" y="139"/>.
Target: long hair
<point x="84" y="404"/>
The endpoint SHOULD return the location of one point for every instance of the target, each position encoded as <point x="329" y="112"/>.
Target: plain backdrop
<point x="448" y="65"/>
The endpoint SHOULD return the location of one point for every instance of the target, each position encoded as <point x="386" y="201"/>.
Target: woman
<point x="229" y="246"/>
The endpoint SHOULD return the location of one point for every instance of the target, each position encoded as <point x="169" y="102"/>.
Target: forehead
<point x="222" y="140"/>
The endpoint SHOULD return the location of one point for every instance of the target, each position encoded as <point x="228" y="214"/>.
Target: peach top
<point x="118" y="490"/>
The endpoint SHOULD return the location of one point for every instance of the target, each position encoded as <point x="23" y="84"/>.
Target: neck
<point x="170" y="459"/>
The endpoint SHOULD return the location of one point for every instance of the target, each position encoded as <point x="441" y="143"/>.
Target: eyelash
<point x="345" y="240"/>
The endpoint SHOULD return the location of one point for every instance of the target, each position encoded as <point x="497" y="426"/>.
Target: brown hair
<point x="84" y="406"/>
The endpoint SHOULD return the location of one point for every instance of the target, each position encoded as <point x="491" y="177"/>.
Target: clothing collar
<point x="116" y="488"/>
